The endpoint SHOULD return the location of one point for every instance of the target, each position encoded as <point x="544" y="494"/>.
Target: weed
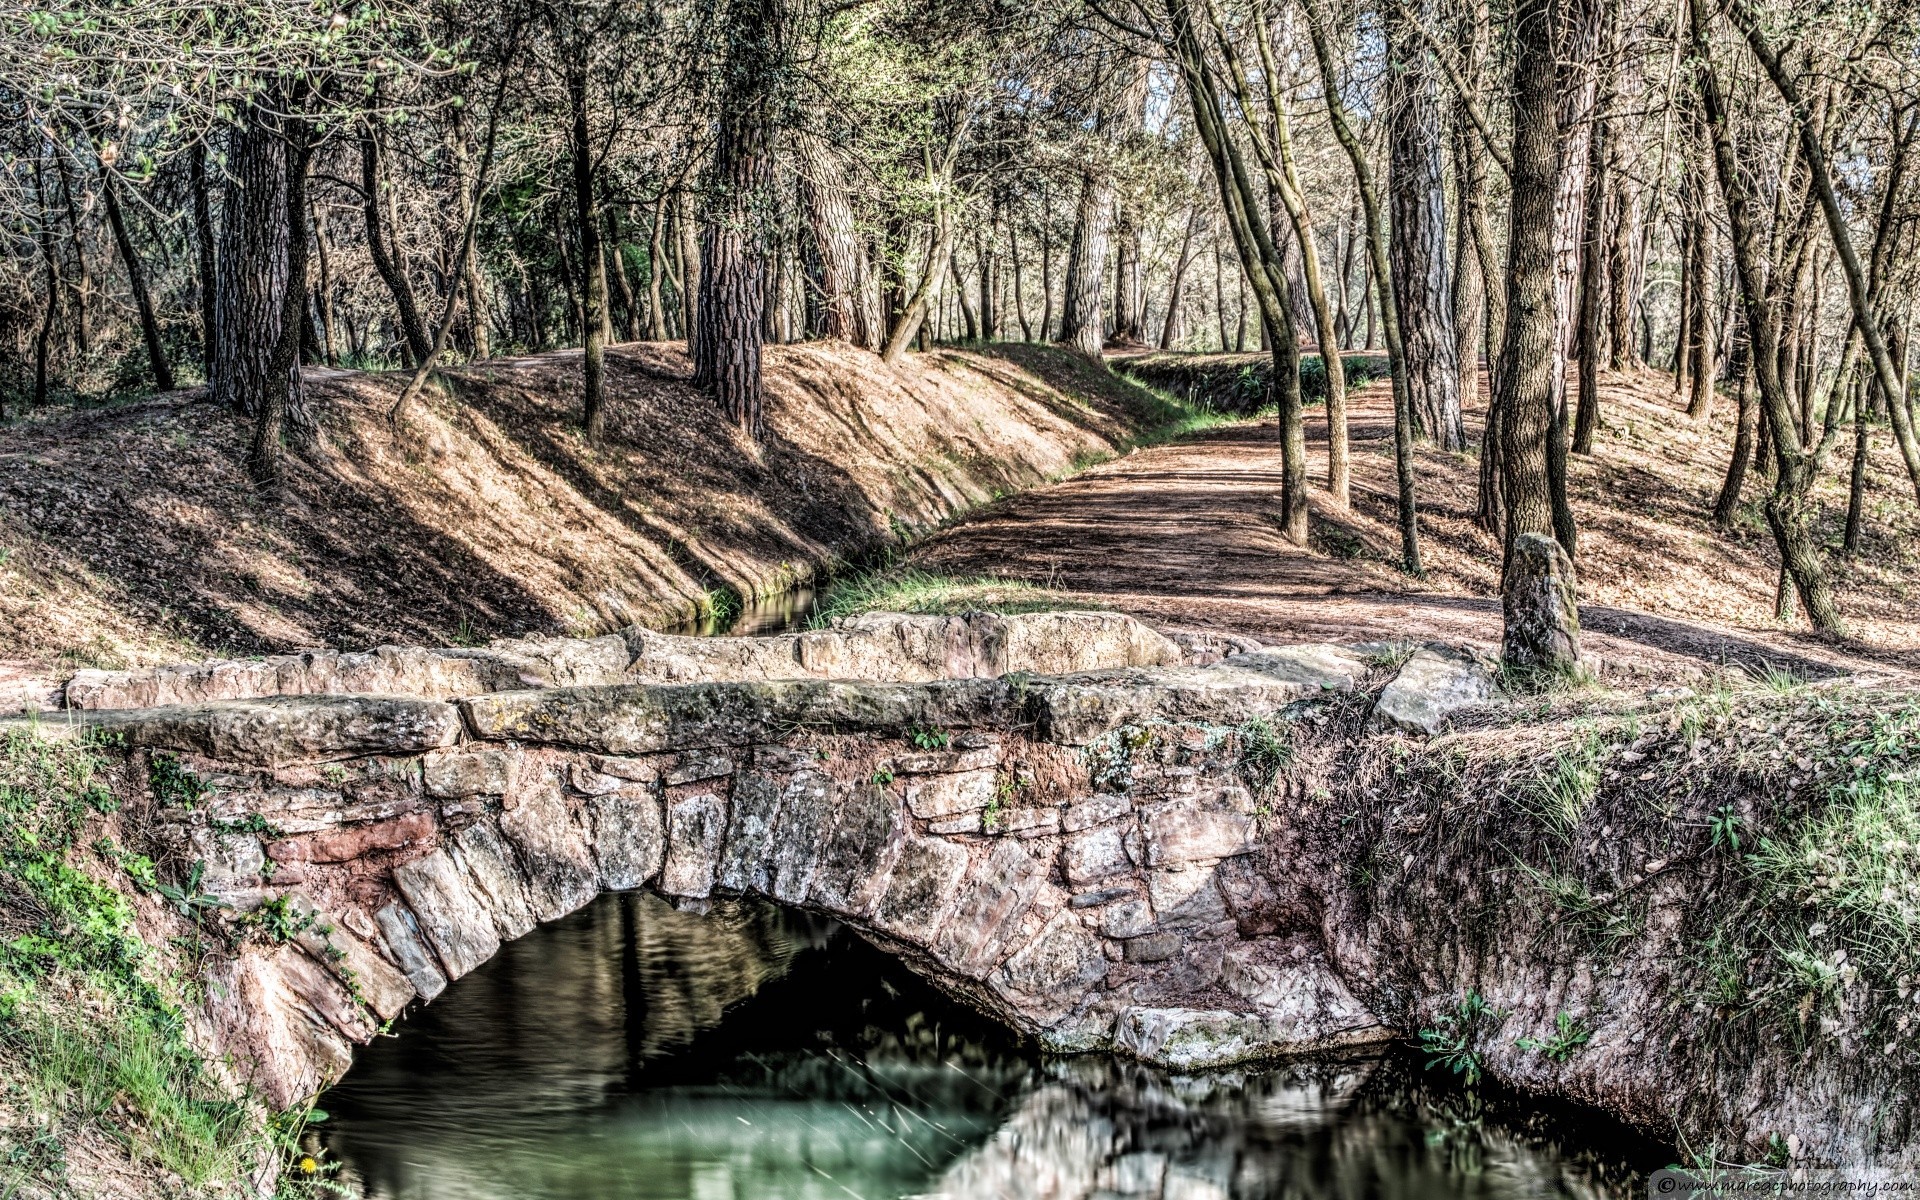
<point x="1452" y="1040"/>
<point x="1569" y="1035"/>
<point x="1725" y="827"/>
<point x="882" y="778"/>
<point x="1005" y="789"/>
<point x="252" y="823"/>
<point x="927" y="737"/>
<point x="173" y="785"/>
<point x="187" y="897"/>
<point x="276" y="921"/>
<point x="1559" y="799"/>
<point x="1266" y="751"/>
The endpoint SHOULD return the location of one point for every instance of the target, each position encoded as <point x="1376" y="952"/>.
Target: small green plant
<point x="276" y="921"/>
<point x="1725" y="828"/>
<point x="882" y="778"/>
<point x="1005" y="788"/>
<point x="1569" y="1035"/>
<point x="187" y="897"/>
<point x="1266" y="751"/>
<point x="252" y="823"/>
<point x="173" y="785"/>
<point x="1452" y="1040"/>
<point x="928" y="737"/>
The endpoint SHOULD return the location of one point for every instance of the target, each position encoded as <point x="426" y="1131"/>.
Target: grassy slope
<point x="129" y="535"/>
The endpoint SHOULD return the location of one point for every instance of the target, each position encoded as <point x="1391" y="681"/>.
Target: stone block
<point x="629" y="837"/>
<point x="1095" y="810"/>
<point x="920" y="888"/>
<point x="753" y="812"/>
<point x="495" y="878"/>
<point x="1095" y="854"/>
<point x="1186" y="898"/>
<point x="935" y="796"/>
<point x="1196" y="831"/>
<point x="1054" y="970"/>
<point x="407" y="951"/>
<point x="1127" y="919"/>
<point x="383" y="987"/>
<point x="996" y="892"/>
<point x="561" y="874"/>
<point x="1541" y="608"/>
<point x="696" y="826"/>
<point x="457" y="774"/>
<point x="278" y="731"/>
<point x="460" y="929"/>
<point x="697" y="766"/>
<point x="807" y="818"/>
<point x="351" y="842"/>
<point x="1154" y="947"/>
<point x="589" y="782"/>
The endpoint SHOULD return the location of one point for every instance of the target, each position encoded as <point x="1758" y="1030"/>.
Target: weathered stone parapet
<point x="877" y="646"/>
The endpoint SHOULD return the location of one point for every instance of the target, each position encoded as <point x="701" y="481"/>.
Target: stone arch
<point x="1072" y="854"/>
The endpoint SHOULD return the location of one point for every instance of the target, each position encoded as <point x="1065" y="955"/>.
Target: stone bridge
<point x="1073" y="851"/>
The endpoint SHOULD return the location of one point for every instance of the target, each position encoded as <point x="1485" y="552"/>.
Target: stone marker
<point x="1542" y="613"/>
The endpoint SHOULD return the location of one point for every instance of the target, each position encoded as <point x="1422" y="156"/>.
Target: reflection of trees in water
<point x="1325" y="1131"/>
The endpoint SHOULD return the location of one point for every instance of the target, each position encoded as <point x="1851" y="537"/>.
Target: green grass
<point x="910" y="590"/>
<point x="91" y="1034"/>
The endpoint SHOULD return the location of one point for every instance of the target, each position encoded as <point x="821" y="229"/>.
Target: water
<point x="639" y="1053"/>
<point x="773" y="614"/>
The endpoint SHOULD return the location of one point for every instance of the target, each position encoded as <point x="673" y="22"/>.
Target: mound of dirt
<point x="131" y="535"/>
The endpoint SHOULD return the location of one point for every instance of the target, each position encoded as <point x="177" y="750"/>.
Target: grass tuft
<point x="909" y="590"/>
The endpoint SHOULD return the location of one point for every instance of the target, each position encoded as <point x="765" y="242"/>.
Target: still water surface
<point x="633" y="1052"/>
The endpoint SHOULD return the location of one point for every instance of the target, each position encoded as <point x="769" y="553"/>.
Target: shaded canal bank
<point x="636" y="1051"/>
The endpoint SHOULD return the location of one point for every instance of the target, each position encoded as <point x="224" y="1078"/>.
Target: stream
<point x="638" y="1052"/>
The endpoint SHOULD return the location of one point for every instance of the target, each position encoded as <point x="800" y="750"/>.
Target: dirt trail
<point x="1187" y="534"/>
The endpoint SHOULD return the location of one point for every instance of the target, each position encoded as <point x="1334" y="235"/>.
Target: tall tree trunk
<point x="50" y="260"/>
<point x="1593" y="267"/>
<point x="844" y="308"/>
<point x="1128" y="319"/>
<point x="656" y="264"/>
<point x="1019" y="286"/>
<point x="251" y="304"/>
<point x="1788" y="508"/>
<point x="1703" y="342"/>
<point x="1170" y="328"/>
<point x="385" y="254"/>
<point x="593" y="261"/>
<point x="687" y="251"/>
<point x="733" y="298"/>
<point x="617" y="275"/>
<point x="1082" y="324"/>
<point x="203" y="247"/>
<point x="323" y="290"/>
<point x="1417" y="194"/>
<point x="1381" y="271"/>
<point x="1526" y="356"/>
<point x="1746" y="417"/>
<point x="137" y="284"/>
<point x="280" y="394"/>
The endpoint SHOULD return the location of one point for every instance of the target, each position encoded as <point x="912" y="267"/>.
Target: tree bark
<point x="279" y="403"/>
<point x="250" y="302"/>
<point x="384" y="254"/>
<point x="844" y="277"/>
<point x="1082" y="324"/>
<point x="1170" y="327"/>
<point x="1417" y="194"/>
<point x="656" y="264"/>
<point x="1593" y="266"/>
<point x="1526" y="356"/>
<point x="137" y="284"/>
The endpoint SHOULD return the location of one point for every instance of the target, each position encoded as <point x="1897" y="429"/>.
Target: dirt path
<point x="1186" y="535"/>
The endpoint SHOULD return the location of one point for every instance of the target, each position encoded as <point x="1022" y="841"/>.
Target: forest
<point x="1513" y="196"/>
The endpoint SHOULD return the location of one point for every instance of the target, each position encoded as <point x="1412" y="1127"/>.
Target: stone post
<point x="1542" y="614"/>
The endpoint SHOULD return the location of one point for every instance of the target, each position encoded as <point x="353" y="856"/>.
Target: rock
<point x="1305" y="1005"/>
<point x="456" y="924"/>
<point x="1435" y="683"/>
<point x="495" y="878"/>
<point x="1095" y="854"/>
<point x="1186" y="899"/>
<point x="405" y="949"/>
<point x="922" y="885"/>
<point x="559" y="868"/>
<point x="1541" y="607"/>
<point x="457" y="774"/>
<point x="1196" y="829"/>
<point x="1052" y="972"/>
<point x="350" y="842"/>
<point x="1059" y="643"/>
<point x="935" y="796"/>
<point x="629" y="837"/>
<point x="1153" y="948"/>
<point x="1076" y="710"/>
<point x="870" y="829"/>
<point x="434" y="674"/>
<point x="646" y="719"/>
<point x="695" y="826"/>
<point x="282" y="730"/>
<point x="378" y="984"/>
<point x="996" y="892"/>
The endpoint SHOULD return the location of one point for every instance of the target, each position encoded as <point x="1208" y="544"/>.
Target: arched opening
<point x="633" y="1051"/>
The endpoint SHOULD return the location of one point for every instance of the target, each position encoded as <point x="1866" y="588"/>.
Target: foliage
<point x="1453" y="1039"/>
<point x="92" y="1033"/>
<point x="1569" y="1036"/>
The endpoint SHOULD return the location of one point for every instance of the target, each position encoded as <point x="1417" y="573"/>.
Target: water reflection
<point x="773" y="614"/>
<point x="636" y="1052"/>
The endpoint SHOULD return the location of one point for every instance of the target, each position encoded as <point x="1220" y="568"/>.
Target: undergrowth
<point x="91" y="1031"/>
